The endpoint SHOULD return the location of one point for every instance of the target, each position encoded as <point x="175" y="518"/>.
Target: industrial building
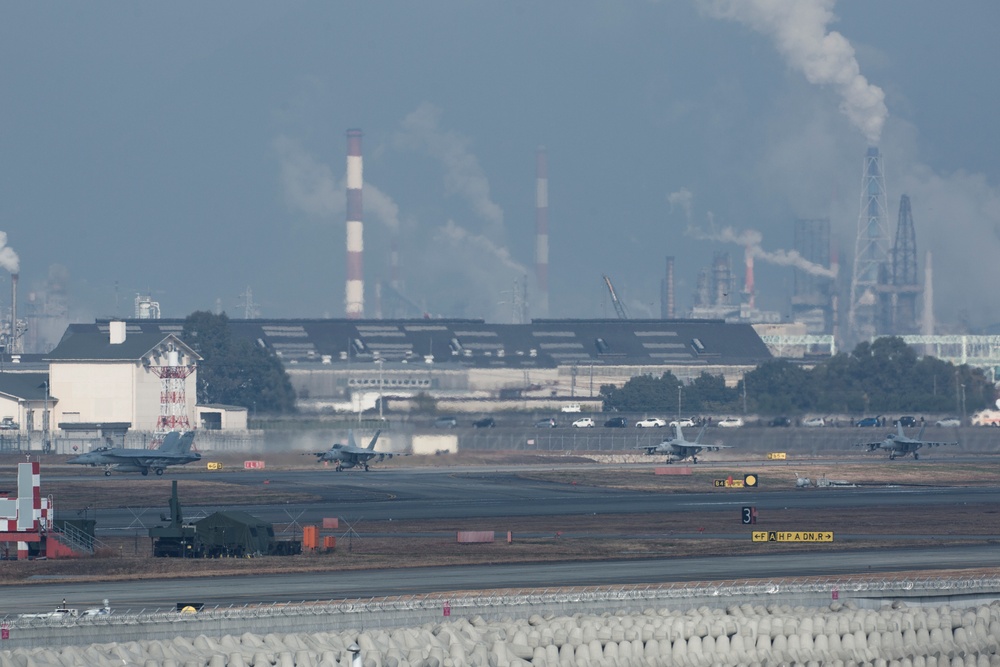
<point x="331" y="361"/>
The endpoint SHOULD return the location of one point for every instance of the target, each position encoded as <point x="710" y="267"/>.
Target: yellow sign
<point x="214" y="465"/>
<point x="776" y="456"/>
<point x="793" y="536"/>
<point x="729" y="483"/>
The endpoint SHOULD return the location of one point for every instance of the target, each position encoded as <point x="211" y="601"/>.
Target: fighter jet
<point x="899" y="444"/>
<point x="678" y="449"/>
<point x="174" y="450"/>
<point x="350" y="455"/>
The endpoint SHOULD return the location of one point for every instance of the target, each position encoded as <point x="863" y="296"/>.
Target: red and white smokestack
<point x="355" y="293"/>
<point x="394" y="264"/>
<point x="748" y="280"/>
<point x="15" y="343"/>
<point x="542" y="230"/>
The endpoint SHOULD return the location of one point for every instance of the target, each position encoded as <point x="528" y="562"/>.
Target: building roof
<point x="93" y="343"/>
<point x="26" y="386"/>
<point x="475" y="343"/>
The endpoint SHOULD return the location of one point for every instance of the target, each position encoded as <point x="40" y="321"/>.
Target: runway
<point x="454" y="493"/>
<point x="489" y="495"/>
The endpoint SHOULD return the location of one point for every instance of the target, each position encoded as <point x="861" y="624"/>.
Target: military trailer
<point x="229" y="533"/>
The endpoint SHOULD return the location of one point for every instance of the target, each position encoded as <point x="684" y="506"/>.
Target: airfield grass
<point x="396" y="544"/>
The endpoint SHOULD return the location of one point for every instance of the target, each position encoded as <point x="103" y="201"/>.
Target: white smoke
<point x="311" y="187"/>
<point x="463" y="174"/>
<point x="684" y="199"/>
<point x="800" y="32"/>
<point x="751" y="240"/>
<point x="461" y="236"/>
<point x="8" y="258"/>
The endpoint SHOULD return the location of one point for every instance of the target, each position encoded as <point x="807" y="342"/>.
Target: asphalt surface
<point x="491" y="493"/>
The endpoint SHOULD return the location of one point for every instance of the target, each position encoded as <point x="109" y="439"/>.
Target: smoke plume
<point x="751" y="240"/>
<point x="8" y="258"/>
<point x="799" y="29"/>
<point x="684" y="199"/>
<point x="463" y="174"/>
<point x="310" y="186"/>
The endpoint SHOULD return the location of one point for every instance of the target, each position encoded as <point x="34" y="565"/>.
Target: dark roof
<point x="28" y="386"/>
<point x="540" y="344"/>
<point x="92" y="343"/>
<point x="231" y="517"/>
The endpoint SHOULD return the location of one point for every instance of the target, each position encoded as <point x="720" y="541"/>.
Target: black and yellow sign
<point x="777" y="456"/>
<point x="792" y="536"/>
<point x="214" y="465"/>
<point x="750" y="480"/>
<point x="729" y="483"/>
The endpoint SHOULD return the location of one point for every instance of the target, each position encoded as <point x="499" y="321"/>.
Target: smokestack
<point x="355" y="292"/>
<point x="14" y="342"/>
<point x="394" y="264"/>
<point x="748" y="279"/>
<point x="667" y="304"/>
<point x="542" y="231"/>
<point x="927" y="320"/>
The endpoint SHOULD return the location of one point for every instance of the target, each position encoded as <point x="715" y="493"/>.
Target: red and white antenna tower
<point x="173" y="394"/>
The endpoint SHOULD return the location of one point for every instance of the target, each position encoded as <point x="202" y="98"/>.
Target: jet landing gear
<point x="916" y="456"/>
<point x="366" y="467"/>
<point x="107" y="471"/>
<point x="159" y="472"/>
<point x="339" y="468"/>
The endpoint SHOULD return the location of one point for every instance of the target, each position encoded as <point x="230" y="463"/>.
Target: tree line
<point x="884" y="376"/>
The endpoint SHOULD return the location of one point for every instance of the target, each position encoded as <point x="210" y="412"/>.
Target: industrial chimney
<point x="355" y="291"/>
<point x="15" y="344"/>
<point x="542" y="230"/>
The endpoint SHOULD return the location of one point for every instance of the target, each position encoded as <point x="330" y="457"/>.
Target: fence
<point x="413" y="610"/>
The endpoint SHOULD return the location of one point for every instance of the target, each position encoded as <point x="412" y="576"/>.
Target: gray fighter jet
<point x="174" y="450"/>
<point x="678" y="449"/>
<point x="350" y="455"/>
<point x="899" y="444"/>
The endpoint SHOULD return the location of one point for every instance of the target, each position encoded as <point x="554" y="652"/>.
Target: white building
<point x="118" y="374"/>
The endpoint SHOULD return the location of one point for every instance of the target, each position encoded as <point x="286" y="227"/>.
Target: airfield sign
<point x="792" y="536"/>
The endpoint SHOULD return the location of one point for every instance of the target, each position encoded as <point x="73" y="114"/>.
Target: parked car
<point x="616" y="422"/>
<point x="687" y="422"/>
<point x="906" y="420"/>
<point x="584" y="422"/>
<point x="949" y="422"/>
<point x="780" y="421"/>
<point x="651" y="422"/>
<point x="814" y="422"/>
<point x="546" y="423"/>
<point x="485" y="422"/>
<point x="8" y="424"/>
<point x="445" y="422"/>
<point x="731" y="422"/>
<point x="868" y="422"/>
<point x="572" y="407"/>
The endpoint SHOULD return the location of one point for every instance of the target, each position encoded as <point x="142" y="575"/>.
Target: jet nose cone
<point x="78" y="459"/>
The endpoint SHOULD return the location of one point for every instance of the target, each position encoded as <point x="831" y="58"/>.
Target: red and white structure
<point x="173" y="396"/>
<point x="27" y="517"/>
<point x="542" y="231"/>
<point x="355" y="294"/>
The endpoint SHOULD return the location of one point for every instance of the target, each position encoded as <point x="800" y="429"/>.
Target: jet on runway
<point x="678" y="449"/>
<point x="899" y="444"/>
<point x="174" y="450"/>
<point x="350" y="455"/>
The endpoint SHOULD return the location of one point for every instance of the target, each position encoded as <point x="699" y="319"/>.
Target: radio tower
<point x="871" y="250"/>
<point x="173" y="394"/>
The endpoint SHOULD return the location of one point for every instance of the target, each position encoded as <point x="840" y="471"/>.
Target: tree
<point x="236" y="372"/>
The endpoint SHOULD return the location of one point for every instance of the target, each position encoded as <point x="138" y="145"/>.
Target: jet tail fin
<point x="701" y="433"/>
<point x="185" y="443"/>
<point x="371" y="445"/>
<point x="920" y="436"/>
<point x="170" y="442"/>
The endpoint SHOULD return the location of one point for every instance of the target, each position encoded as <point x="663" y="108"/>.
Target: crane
<point x="619" y="306"/>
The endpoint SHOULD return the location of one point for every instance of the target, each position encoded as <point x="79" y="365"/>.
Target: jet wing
<point x="938" y="444"/>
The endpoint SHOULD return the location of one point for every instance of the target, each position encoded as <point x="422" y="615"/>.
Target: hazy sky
<point x="190" y="150"/>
